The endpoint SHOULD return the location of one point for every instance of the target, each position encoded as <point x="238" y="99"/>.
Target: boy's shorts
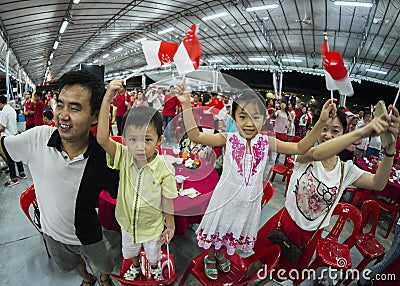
<point x="68" y="257"/>
<point x="152" y="248"/>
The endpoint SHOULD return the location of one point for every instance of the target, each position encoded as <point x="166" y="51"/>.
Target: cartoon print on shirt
<point x="313" y="197"/>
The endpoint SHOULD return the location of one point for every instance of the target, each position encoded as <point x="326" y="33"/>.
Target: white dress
<point x="233" y="214"/>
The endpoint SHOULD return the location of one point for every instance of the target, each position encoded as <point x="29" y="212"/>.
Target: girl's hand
<point x="394" y="126"/>
<point x="376" y="127"/>
<point x="112" y="88"/>
<point x="168" y="231"/>
<point x="183" y="93"/>
<point x="328" y="111"/>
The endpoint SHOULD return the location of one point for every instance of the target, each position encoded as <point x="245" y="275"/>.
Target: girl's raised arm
<point x="327" y="113"/>
<point x="183" y="94"/>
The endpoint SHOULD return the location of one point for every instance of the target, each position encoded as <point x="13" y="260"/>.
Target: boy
<point x="147" y="186"/>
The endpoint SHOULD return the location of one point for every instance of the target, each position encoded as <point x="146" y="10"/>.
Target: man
<point x="29" y="110"/>
<point x="8" y="127"/>
<point x="69" y="171"/>
<point x="38" y="106"/>
<point x="172" y="107"/>
<point x="121" y="101"/>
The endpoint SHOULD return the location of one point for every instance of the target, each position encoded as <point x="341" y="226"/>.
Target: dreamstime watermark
<point x="330" y="273"/>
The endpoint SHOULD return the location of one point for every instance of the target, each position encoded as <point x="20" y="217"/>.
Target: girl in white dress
<point x="232" y="218"/>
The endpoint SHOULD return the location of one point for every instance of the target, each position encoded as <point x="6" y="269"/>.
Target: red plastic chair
<point x="369" y="247"/>
<point x="239" y="267"/>
<point x="362" y="195"/>
<point x="329" y="251"/>
<point x="282" y="169"/>
<point x="268" y="193"/>
<point x="392" y="208"/>
<point x="145" y="278"/>
<point x="26" y="200"/>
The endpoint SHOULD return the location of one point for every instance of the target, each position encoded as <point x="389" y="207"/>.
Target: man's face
<point x="73" y="113"/>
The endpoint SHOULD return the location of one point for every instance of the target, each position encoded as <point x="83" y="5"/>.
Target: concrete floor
<point x="23" y="259"/>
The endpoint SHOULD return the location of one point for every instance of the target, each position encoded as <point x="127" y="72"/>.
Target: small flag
<point x="187" y="57"/>
<point x="159" y="53"/>
<point x="336" y="75"/>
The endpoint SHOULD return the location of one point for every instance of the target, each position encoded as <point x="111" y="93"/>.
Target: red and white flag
<point x="187" y="57"/>
<point x="336" y="75"/>
<point x="159" y="53"/>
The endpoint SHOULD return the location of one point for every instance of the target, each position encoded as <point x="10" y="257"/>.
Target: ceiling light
<point x="63" y="26"/>
<point x="257" y="59"/>
<point x="215" y="16"/>
<point x="106" y="56"/>
<point x="292" y="60"/>
<point x="55" y="46"/>
<point x="51" y="56"/>
<point x="215" y="61"/>
<point x="354" y="4"/>
<point x="76" y="1"/>
<point x="118" y="49"/>
<point x="49" y="63"/>
<point x="376" y="71"/>
<point x="265" y="7"/>
<point x="166" y="31"/>
<point x="141" y="40"/>
<point x="95" y="61"/>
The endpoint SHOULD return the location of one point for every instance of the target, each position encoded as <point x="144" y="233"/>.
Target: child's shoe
<point x="132" y="272"/>
<point x="11" y="182"/>
<point x="156" y="272"/>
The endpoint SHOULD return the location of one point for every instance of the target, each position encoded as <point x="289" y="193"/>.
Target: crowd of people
<point x="64" y="155"/>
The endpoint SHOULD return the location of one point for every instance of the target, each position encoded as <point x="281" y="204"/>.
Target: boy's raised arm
<point x="103" y="131"/>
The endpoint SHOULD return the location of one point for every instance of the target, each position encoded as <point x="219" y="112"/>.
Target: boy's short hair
<point x="48" y="114"/>
<point x="143" y="116"/>
<point x="3" y="99"/>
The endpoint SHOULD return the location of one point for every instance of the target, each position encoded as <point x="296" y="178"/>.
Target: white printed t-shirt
<point x="312" y="190"/>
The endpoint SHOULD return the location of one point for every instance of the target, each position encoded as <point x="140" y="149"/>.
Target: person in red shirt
<point x="29" y="110"/>
<point x="171" y="108"/>
<point x="38" y="106"/>
<point x="48" y="118"/>
<point x="121" y="101"/>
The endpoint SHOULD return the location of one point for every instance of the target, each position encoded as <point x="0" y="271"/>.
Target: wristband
<point x="389" y="155"/>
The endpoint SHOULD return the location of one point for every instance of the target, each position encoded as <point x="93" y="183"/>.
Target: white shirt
<point x="8" y="118"/>
<point x="312" y="190"/>
<point x="375" y="142"/>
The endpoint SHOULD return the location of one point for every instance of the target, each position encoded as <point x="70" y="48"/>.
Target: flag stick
<point x="395" y="100"/>
<point x="332" y="96"/>
<point x="344" y="100"/>
<point x="169" y="261"/>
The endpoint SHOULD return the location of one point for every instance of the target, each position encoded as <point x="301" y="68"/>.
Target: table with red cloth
<point x="187" y="210"/>
<point x="392" y="188"/>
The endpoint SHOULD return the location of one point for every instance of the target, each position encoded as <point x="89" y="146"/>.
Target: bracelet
<point x="389" y="155"/>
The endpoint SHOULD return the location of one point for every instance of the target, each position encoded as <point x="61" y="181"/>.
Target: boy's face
<point x="142" y="142"/>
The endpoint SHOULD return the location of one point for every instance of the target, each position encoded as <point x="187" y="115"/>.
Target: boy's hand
<point x="394" y="125"/>
<point x="328" y="111"/>
<point x="183" y="93"/>
<point x="377" y="126"/>
<point x="112" y="88"/>
<point x="168" y="231"/>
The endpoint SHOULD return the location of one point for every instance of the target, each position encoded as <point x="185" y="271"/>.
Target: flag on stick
<point x="187" y="57"/>
<point x="336" y="75"/>
<point x="158" y="53"/>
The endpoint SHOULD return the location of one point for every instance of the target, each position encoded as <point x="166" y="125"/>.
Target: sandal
<point x="132" y="272"/>
<point x="92" y="281"/>
<point x="108" y="280"/>
<point x="223" y="266"/>
<point x="210" y="271"/>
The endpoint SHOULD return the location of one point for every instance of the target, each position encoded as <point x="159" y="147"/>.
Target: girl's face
<point x="195" y="98"/>
<point x="249" y="121"/>
<point x="290" y="107"/>
<point x="283" y="105"/>
<point x="304" y="110"/>
<point x="333" y="129"/>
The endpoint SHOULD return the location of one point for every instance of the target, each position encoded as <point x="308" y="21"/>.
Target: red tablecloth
<point x="391" y="190"/>
<point x="187" y="210"/>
